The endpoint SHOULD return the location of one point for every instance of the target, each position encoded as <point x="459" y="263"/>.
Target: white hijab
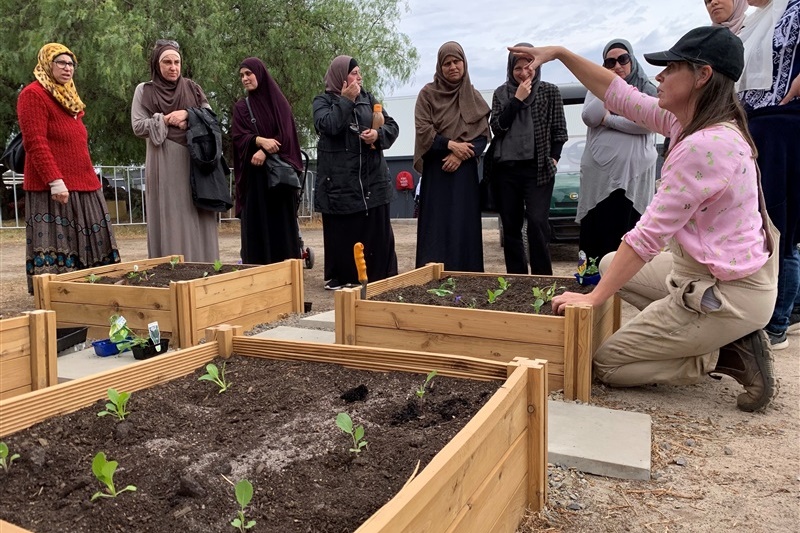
<point x="757" y="35"/>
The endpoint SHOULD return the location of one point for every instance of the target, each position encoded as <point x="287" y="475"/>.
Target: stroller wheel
<point x="308" y="256"/>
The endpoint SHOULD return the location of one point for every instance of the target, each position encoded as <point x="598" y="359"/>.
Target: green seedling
<point x="174" y="261"/>
<point x="420" y="392"/>
<point x="103" y="470"/>
<point x="542" y="296"/>
<point x="503" y="286"/>
<point x="214" y="374"/>
<point x="472" y="304"/>
<point x="92" y="278"/>
<point x="117" y="405"/>
<point x="445" y="289"/>
<point x="244" y="493"/>
<point x="345" y="423"/>
<point x="5" y="458"/>
<point x="205" y="274"/>
<point x="217" y="265"/>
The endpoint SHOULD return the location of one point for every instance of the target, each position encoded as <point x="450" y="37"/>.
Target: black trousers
<point x="518" y="198"/>
<point x="604" y="225"/>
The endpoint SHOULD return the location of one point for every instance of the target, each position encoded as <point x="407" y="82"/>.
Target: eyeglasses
<point x="623" y="59"/>
<point x="168" y="42"/>
<point x="65" y="64"/>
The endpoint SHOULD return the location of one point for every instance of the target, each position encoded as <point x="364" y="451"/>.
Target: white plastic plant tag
<point x="155" y="335"/>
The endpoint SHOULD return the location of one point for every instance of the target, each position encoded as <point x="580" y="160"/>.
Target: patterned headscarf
<point x="65" y="93"/>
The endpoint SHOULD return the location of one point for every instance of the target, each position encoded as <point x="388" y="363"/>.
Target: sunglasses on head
<point x="623" y="59"/>
<point x="168" y="42"/>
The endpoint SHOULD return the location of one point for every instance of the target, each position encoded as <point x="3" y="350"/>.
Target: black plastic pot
<point x="146" y="351"/>
<point x="69" y="337"/>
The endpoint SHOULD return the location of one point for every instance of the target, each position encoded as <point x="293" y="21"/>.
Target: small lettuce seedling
<point x="244" y="493"/>
<point x="217" y="265"/>
<point x="542" y="296"/>
<point x="174" y="261"/>
<point x="92" y="278"/>
<point x="503" y="286"/>
<point x="215" y="375"/>
<point x="445" y="289"/>
<point x="104" y="470"/>
<point x="5" y="458"/>
<point x="117" y="405"/>
<point x="345" y="423"/>
<point x="420" y="392"/>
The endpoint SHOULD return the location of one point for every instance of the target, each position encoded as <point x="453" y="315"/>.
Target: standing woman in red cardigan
<point x="67" y="222"/>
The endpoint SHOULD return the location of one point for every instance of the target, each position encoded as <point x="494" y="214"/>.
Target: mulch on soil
<point x="471" y="291"/>
<point x="160" y="275"/>
<point x="275" y="427"/>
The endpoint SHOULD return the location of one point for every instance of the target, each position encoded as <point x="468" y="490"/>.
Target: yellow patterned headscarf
<point x="65" y="93"/>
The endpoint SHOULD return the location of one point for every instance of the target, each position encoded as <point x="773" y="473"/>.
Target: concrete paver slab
<point x="598" y="440"/>
<point x="323" y="320"/>
<point x="289" y="333"/>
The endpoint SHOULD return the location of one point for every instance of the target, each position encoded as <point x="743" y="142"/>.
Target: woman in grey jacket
<point x="353" y="188"/>
<point x="618" y="168"/>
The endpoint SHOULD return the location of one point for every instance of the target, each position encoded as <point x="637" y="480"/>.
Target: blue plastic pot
<point x="591" y="279"/>
<point x="105" y="348"/>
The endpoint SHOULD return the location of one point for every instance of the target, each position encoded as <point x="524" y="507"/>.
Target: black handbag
<point x="279" y="172"/>
<point x="14" y="156"/>
<point x="488" y="204"/>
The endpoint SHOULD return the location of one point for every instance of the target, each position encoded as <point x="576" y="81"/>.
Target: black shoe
<point x="749" y="361"/>
<point x="333" y="284"/>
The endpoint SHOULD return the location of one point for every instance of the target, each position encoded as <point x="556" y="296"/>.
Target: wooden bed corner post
<point x="578" y="352"/>
<point x="41" y="291"/>
<point x="42" y="331"/>
<point x="537" y="433"/>
<point x="537" y="390"/>
<point x="183" y="322"/>
<point x="223" y="335"/>
<point x="436" y="270"/>
<point x="298" y="293"/>
<point x="617" y="313"/>
<point x="344" y="304"/>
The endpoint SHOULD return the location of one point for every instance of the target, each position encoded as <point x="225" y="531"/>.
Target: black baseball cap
<point x="715" y="46"/>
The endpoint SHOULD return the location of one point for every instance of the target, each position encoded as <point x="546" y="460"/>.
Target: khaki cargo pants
<point x="674" y="339"/>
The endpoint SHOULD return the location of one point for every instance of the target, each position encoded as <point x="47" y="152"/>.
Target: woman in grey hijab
<point x="619" y="162"/>
<point x="530" y="129"/>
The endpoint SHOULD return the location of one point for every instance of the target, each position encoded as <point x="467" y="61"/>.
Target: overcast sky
<point x="485" y="27"/>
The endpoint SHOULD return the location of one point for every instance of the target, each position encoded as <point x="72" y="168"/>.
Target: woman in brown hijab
<point x="159" y="114"/>
<point x="452" y="126"/>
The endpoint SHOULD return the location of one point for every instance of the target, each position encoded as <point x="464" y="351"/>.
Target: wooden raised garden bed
<point x="483" y="480"/>
<point x="27" y="353"/>
<point x="567" y="342"/>
<point x="247" y="297"/>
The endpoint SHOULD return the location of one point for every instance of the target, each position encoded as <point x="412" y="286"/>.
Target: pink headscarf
<point x="734" y="23"/>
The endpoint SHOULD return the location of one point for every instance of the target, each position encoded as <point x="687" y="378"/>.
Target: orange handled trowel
<point x="361" y="266"/>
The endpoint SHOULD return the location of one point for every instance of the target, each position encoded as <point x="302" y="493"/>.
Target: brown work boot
<point x="749" y="361"/>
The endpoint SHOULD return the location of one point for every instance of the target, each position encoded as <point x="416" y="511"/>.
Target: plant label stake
<point x="361" y="266"/>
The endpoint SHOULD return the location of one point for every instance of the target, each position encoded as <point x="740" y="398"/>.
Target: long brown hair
<point x="717" y="102"/>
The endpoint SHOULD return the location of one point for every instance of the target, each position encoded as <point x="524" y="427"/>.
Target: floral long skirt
<point x="63" y="238"/>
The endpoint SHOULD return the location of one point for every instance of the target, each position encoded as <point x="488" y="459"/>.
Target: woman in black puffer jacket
<point x="353" y="188"/>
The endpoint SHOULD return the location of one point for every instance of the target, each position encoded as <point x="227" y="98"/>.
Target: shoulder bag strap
<point x="250" y="110"/>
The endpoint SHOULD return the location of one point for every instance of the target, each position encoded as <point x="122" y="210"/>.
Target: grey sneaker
<point x="778" y="341"/>
<point x="749" y="361"/>
<point x="794" y="322"/>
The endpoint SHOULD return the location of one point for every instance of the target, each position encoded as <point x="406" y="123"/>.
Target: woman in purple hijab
<point x="268" y="214"/>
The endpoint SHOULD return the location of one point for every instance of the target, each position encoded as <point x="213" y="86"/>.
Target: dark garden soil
<point x="184" y="444"/>
<point x="160" y="275"/>
<point x="471" y="291"/>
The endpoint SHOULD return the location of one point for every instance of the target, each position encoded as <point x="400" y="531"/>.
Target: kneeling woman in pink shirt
<point x="703" y="302"/>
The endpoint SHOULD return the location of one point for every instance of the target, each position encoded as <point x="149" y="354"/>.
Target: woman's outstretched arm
<point x="594" y="77"/>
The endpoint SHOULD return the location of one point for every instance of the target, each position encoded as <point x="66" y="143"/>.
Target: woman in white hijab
<point x="769" y="89"/>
